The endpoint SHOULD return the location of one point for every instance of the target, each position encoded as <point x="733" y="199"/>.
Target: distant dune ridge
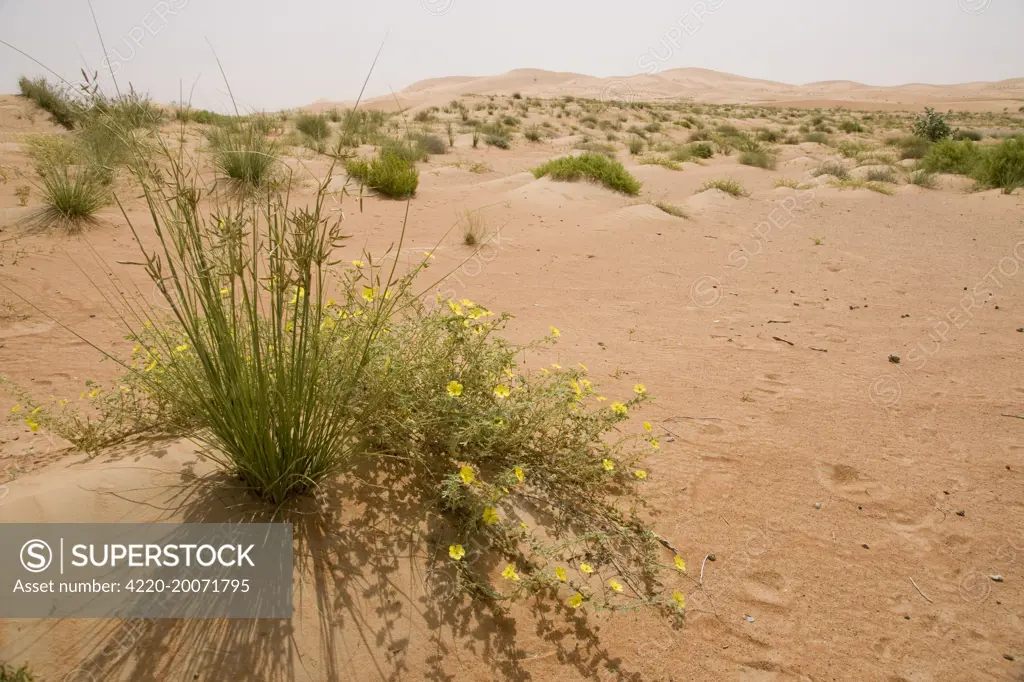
<point x="703" y="85"/>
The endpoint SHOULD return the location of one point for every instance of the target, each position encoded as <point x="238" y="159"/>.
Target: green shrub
<point x="730" y="187"/>
<point x="532" y="134"/>
<point x="947" y="156"/>
<point x="128" y="111"/>
<point x="635" y="145"/>
<point x="913" y="147"/>
<point x="432" y="144"/>
<point x="64" y="110"/>
<point x="819" y="137"/>
<point x="850" y="126"/>
<point x="1002" y="165"/>
<point x="593" y="167"/>
<point x="499" y="141"/>
<point x="202" y="116"/>
<point x="390" y="174"/>
<point x="664" y="162"/>
<point x="931" y="126"/>
<point x="360" y="127"/>
<point x="599" y="147"/>
<point x="701" y="150"/>
<point x="313" y="126"/>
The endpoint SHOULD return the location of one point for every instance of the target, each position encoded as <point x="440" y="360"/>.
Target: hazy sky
<point x="289" y="53"/>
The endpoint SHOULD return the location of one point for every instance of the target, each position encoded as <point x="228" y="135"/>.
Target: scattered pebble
<point x="894" y="359"/>
<point x="1008" y="657"/>
<point x="1020" y="329"/>
<point x="711" y="557"/>
<point x="750" y="619"/>
<point x="865" y="546"/>
<point x="961" y="512"/>
<point x="906" y="617"/>
<point x="817" y="505"/>
<point x="996" y="578"/>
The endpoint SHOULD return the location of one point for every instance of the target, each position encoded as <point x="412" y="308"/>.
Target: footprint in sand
<point x="848" y="483"/>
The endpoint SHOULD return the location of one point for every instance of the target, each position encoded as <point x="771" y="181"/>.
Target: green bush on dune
<point x="593" y="167"/>
<point x="1002" y="166"/>
<point x="390" y="174"/>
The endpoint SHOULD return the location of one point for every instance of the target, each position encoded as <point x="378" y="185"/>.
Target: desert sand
<point x="842" y="516"/>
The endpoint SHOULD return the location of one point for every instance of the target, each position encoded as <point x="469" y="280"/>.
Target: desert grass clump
<point x="390" y="174"/>
<point x="833" y="168"/>
<point x="432" y="144"/>
<point x="817" y="136"/>
<point x="912" y="146"/>
<point x="922" y="178"/>
<point x="671" y="209"/>
<point x="533" y="134"/>
<point x="761" y="159"/>
<point x="593" y="167"/>
<point x="314" y="126"/>
<point x="72" y="196"/>
<point x="881" y="175"/>
<point x="785" y="182"/>
<point x="855" y="183"/>
<point x="635" y="145"/>
<point x="1002" y="166"/>
<point x="730" y="187"/>
<point x="657" y="160"/>
<point x="65" y="111"/>
<point x="474" y="227"/>
<point x="243" y="155"/>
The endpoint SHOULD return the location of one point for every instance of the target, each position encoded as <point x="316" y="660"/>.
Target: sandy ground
<point x="856" y="509"/>
<point x="703" y="85"/>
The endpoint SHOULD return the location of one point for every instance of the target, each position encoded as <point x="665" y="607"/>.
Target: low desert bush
<point x="432" y="144"/>
<point x="389" y="173"/>
<point x="1002" y="166"/>
<point x="657" y="160"/>
<point x="532" y="134"/>
<point x="881" y="175"/>
<point x="760" y="159"/>
<point x="819" y="137"/>
<point x="948" y="156"/>
<point x="701" y="150"/>
<point x="912" y="146"/>
<point x="635" y="145"/>
<point x="785" y="182"/>
<point x="833" y="168"/>
<point x="12" y="674"/>
<point x="72" y="196"/>
<point x="730" y="187"/>
<point x="593" y="167"/>
<point x="922" y="178"/>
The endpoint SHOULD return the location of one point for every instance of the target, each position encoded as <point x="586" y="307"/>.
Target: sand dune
<point x="704" y="85"/>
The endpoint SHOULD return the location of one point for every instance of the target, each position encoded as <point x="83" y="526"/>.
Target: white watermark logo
<point x="36" y="556"/>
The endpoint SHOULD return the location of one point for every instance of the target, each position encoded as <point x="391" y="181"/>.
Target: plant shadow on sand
<point x="372" y="600"/>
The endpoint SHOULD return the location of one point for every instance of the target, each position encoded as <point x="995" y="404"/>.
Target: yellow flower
<point x="555" y="333"/>
<point x="582" y="366"/>
<point x="369" y="293"/>
<point x="468" y="303"/>
<point x="615" y="585"/>
<point x="428" y="254"/>
<point x="520" y="474"/>
<point x="182" y="348"/>
<point x="95" y="392"/>
<point x="678" y="599"/>
<point x="608" y="465"/>
<point x="37" y="409"/>
<point x="556" y="365"/>
<point x="297" y="296"/>
<point x="137" y="347"/>
<point x="560" y="574"/>
<point x="32" y="424"/>
<point x="454" y="388"/>
<point x="509" y="373"/>
<point x="456" y="552"/>
<point x="225" y="291"/>
<point x="655" y="444"/>
<point x="641" y="474"/>
<point x="151" y="366"/>
<point x="619" y="408"/>
<point x="358" y="263"/>
<point x="455" y="307"/>
<point x="467" y="475"/>
<point x="680" y="564"/>
<point x="545" y="370"/>
<point x="647" y="427"/>
<point x="16" y="409"/>
<point x="587" y="568"/>
<point x="510" y="573"/>
<point x="502" y="391"/>
<point x="490" y="516"/>
<point x="575" y="601"/>
<point x="639" y="389"/>
<point x="601" y="399"/>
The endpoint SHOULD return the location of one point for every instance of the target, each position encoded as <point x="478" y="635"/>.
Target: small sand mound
<point x="549" y="193"/>
<point x="711" y="198"/>
<point x="635" y="216"/>
<point x="508" y="183"/>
